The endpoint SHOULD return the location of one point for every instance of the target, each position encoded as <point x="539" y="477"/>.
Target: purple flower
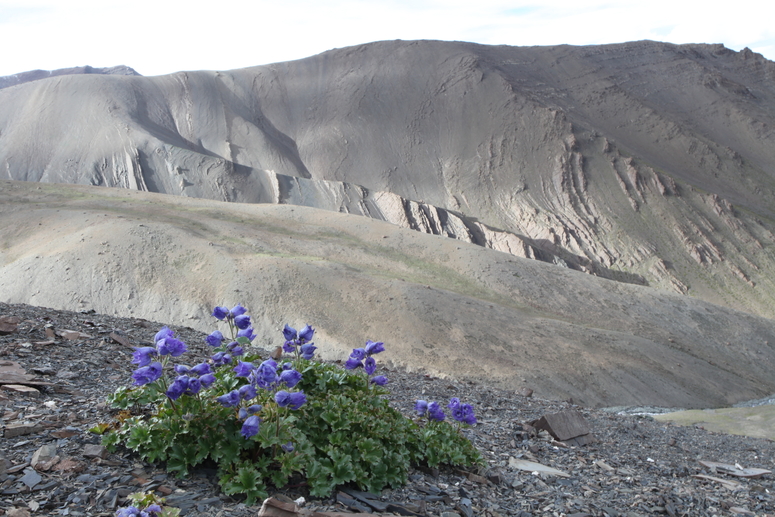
<point x="154" y="508"/>
<point x="289" y="346"/>
<point x="220" y="312"/>
<point x="170" y="346"/>
<point x="231" y="399"/>
<point x="247" y="392"/>
<point x="242" y="322"/>
<point x="165" y="332"/>
<point x="308" y="351"/>
<point x="178" y="387"/>
<point x="287" y="447"/>
<point x="201" y="369"/>
<point x="468" y="414"/>
<point x="129" y="511"/>
<point x="298" y="399"/>
<point x="194" y="385"/>
<point x="435" y="412"/>
<point x="248" y="333"/>
<point x="250" y="427"/>
<point x="289" y="333"/>
<point x="265" y="376"/>
<point x="352" y="363"/>
<point x="462" y="412"/>
<point x="379" y="380"/>
<point x="147" y="374"/>
<point x="235" y="349"/>
<point x="207" y="380"/>
<point x="290" y="377"/>
<point x="215" y="339"/>
<point x="252" y="410"/>
<point x="243" y="369"/>
<point x="287" y="366"/>
<point x="358" y="354"/>
<point x="305" y="334"/>
<point x="374" y="348"/>
<point x="370" y="365"/>
<point x="181" y="369"/>
<point x="142" y="355"/>
<point x="283" y="398"/>
<point x="292" y="400"/>
<point x="221" y="358"/>
<point x="238" y="310"/>
<point x="421" y="407"/>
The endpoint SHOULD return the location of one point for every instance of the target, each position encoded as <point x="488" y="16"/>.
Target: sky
<point x="158" y="37"/>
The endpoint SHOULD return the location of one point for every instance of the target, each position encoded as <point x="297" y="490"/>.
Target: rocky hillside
<point x="441" y="307"/>
<point x="644" y="162"/>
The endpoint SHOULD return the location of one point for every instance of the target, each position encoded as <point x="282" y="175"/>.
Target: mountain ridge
<point x="645" y="161"/>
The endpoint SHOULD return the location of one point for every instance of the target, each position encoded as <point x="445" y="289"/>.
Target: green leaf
<point x="319" y="477"/>
<point x="139" y="435"/>
<point x="247" y="480"/>
<point x="370" y="449"/>
<point x="342" y="466"/>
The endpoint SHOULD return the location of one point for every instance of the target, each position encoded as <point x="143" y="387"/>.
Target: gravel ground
<point x="636" y="466"/>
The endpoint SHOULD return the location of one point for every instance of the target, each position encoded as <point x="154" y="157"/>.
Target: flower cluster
<point x="236" y="317"/>
<point x="266" y="420"/>
<point x="133" y="511"/>
<point x="432" y="410"/>
<point x="190" y="380"/>
<point x="299" y="342"/>
<point x="362" y="358"/>
<point x="266" y="376"/>
<point x="167" y="345"/>
<point x="463" y="413"/>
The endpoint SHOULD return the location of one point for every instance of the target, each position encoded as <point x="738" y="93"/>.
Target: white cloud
<point x="163" y="36"/>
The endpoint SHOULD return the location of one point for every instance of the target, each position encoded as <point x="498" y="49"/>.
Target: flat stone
<point x="73" y="335"/>
<point x="9" y="324"/>
<point x="12" y="373"/>
<point x="18" y="512"/>
<point x="532" y="466"/>
<point x="21" y="429"/>
<point x="44" y="454"/>
<point x="120" y="339"/>
<point x="94" y="451"/>
<point x="31" y="478"/>
<point x="45" y="370"/>
<point x="567" y="426"/>
<point x="21" y="389"/>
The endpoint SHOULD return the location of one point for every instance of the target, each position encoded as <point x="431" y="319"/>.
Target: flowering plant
<point x="265" y="421"/>
<point x="147" y="505"/>
<point x="463" y="413"/>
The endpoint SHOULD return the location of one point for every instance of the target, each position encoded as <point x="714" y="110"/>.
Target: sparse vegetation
<point x="266" y="422"/>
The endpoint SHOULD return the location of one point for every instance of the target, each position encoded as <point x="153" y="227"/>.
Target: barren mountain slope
<point x="439" y="305"/>
<point x="644" y="162"/>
